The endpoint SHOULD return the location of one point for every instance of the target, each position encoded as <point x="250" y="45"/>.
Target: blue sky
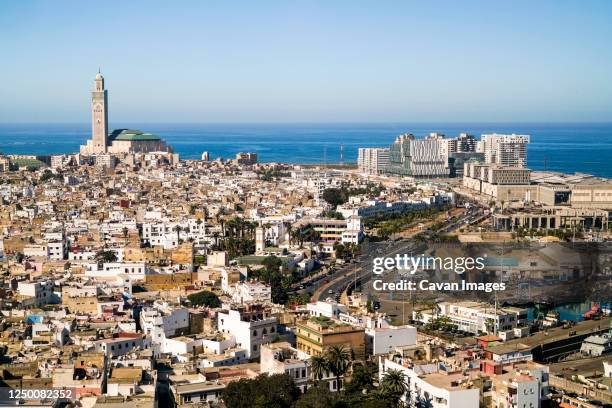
<point x="303" y="61"/>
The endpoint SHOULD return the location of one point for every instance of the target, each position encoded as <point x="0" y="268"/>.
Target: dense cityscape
<point x="134" y="278"/>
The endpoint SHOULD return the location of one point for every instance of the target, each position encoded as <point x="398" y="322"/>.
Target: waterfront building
<point x="135" y="141"/>
<point x="417" y="158"/>
<point x="506" y="150"/>
<point x="120" y="141"/>
<point x="372" y="160"/>
<point x="246" y="159"/>
<point x="597" y="345"/>
<point x="466" y="143"/>
<point x="475" y="317"/>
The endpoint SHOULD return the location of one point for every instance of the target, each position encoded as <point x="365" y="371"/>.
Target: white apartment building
<point x="475" y="317"/>
<point x="331" y="310"/>
<point x="507" y="150"/>
<point x="81" y="254"/>
<point x="39" y="292"/>
<point x="426" y="159"/>
<point x="130" y="271"/>
<point x="331" y="231"/>
<point x="54" y="250"/>
<point x="248" y="292"/>
<point x="251" y="325"/>
<point x="121" y="344"/>
<point x="164" y="320"/>
<point x="165" y="234"/>
<point x="281" y="358"/>
<point x="372" y="160"/>
<point x="374" y="207"/>
<point x="442" y="390"/>
<point x="383" y="340"/>
<point x="521" y="385"/>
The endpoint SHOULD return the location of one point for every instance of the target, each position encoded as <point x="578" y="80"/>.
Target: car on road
<point x="331" y="291"/>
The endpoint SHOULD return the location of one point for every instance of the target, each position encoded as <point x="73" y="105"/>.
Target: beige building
<point x="4" y="164"/>
<point x="316" y="335"/>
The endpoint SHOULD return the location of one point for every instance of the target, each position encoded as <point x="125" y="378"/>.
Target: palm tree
<point x="394" y="384"/>
<point x="490" y="325"/>
<point x="178" y="230"/>
<point x="106" y="256"/>
<point x="318" y="367"/>
<point x="338" y="360"/>
<point x="216" y="237"/>
<point x="289" y="229"/>
<point x="422" y="402"/>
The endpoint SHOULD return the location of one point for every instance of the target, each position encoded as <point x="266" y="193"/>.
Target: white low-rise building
<point x="164" y="320"/>
<point x="384" y="340"/>
<point x="252" y="325"/>
<point x="248" y="292"/>
<point x="437" y="389"/>
<point x="475" y="317"/>
<point x="331" y="310"/>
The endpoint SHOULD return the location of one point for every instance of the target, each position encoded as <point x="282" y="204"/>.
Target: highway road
<point x="332" y="285"/>
<point x="361" y="270"/>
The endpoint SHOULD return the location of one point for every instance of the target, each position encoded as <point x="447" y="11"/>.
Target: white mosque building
<point x="119" y="141"/>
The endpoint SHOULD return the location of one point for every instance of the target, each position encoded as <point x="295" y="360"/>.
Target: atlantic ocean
<point x="568" y="147"/>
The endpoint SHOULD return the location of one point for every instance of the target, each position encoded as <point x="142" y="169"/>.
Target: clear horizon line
<point x="330" y="123"/>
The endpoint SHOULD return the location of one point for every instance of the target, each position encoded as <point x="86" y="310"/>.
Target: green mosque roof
<point x="132" y="135"/>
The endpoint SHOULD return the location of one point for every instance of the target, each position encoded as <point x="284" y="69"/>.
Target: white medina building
<point x="249" y="292"/>
<point x="331" y="310"/>
<point x="281" y="358"/>
<point x="426" y="382"/>
<point x="121" y="344"/>
<point x="251" y="324"/>
<point x="129" y="271"/>
<point x="39" y="292"/>
<point x="382" y="340"/>
<point x="165" y="234"/>
<point x="164" y="320"/>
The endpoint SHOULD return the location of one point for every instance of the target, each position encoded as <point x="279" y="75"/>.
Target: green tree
<point x="274" y="391"/>
<point x="204" y="298"/>
<point x="177" y="228"/>
<point x="394" y="385"/>
<point x="318" y="367"/>
<point x="362" y="378"/>
<point x="272" y="263"/>
<point x="335" y="196"/>
<point x="319" y="396"/>
<point x="338" y="360"/>
<point x="106" y="256"/>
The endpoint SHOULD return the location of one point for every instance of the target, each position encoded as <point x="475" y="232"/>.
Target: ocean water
<point x="569" y="148"/>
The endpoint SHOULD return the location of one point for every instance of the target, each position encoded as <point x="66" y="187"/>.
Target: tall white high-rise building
<point x="372" y="160"/>
<point x="507" y="150"/>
